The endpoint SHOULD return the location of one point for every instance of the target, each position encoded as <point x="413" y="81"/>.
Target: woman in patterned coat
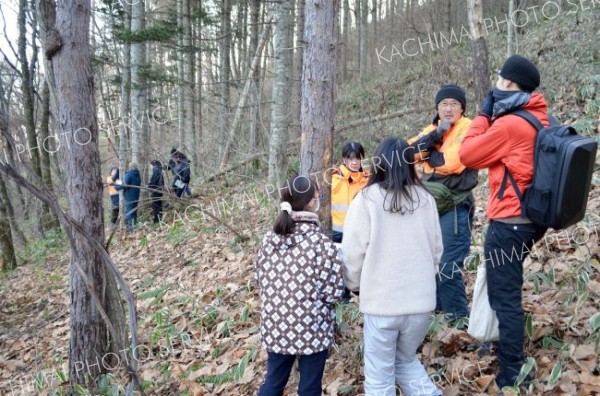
<point x="300" y="278"/>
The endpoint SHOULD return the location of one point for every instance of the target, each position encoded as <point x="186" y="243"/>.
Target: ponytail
<point x="297" y="193"/>
<point x="284" y="224"/>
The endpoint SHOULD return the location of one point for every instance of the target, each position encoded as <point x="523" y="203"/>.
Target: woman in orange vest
<point x="111" y="179"/>
<point x="346" y="181"/>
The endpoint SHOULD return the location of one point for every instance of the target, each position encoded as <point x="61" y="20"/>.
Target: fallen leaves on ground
<point x="198" y="315"/>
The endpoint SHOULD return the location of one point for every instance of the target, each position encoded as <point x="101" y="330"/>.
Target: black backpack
<point x="562" y="172"/>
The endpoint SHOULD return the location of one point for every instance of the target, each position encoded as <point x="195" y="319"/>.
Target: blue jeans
<point x="506" y="247"/>
<point x="279" y="367"/>
<point x="131" y="214"/>
<point x="456" y="237"/>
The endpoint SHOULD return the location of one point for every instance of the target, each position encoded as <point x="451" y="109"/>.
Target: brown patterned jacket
<point x="300" y="279"/>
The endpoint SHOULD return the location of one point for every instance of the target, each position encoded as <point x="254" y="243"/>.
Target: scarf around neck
<point x="507" y="101"/>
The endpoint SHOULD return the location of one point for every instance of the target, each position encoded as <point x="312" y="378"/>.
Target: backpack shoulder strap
<point x="509" y="176"/>
<point x="530" y="118"/>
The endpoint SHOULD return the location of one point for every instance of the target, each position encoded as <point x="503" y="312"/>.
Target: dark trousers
<point x="337" y="237"/>
<point x="114" y="215"/>
<point x="279" y="367"/>
<point x="114" y="200"/>
<point x="156" y="207"/>
<point x="451" y="297"/>
<point x="506" y="247"/>
<point x="131" y="214"/>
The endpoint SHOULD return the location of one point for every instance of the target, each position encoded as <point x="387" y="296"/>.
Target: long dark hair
<point x="116" y="175"/>
<point x="298" y="191"/>
<point x="394" y="171"/>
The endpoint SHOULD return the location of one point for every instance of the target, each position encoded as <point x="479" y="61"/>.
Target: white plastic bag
<point x="483" y="323"/>
<point x="179" y="184"/>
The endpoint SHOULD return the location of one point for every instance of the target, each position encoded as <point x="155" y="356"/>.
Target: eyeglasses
<point x="451" y="105"/>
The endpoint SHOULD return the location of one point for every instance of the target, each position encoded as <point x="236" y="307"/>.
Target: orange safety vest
<point x="345" y="184"/>
<point x="111" y="186"/>
<point x="449" y="147"/>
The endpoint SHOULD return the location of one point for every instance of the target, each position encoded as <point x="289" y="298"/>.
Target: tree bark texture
<point x="479" y="51"/>
<point x="282" y="89"/>
<point x="318" y="99"/>
<point x="73" y="74"/>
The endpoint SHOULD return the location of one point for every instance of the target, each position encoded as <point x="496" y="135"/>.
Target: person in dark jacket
<point x="182" y="176"/>
<point x="111" y="181"/>
<point x="172" y="161"/>
<point x="179" y="165"/>
<point x="131" y="193"/>
<point x="156" y="185"/>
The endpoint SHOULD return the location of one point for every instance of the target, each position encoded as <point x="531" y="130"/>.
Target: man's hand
<point x="441" y="130"/>
<point x="488" y="105"/>
<point x="436" y="159"/>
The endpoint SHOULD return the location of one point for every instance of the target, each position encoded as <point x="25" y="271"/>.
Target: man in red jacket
<point x="499" y="141"/>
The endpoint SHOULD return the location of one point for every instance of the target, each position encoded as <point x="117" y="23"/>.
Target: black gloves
<point x="429" y="141"/>
<point x="436" y="159"/>
<point x="441" y="130"/>
<point x="488" y="105"/>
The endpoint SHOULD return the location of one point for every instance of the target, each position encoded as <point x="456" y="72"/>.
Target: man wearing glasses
<point x="451" y="182"/>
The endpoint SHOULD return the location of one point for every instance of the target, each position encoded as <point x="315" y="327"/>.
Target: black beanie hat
<point x="451" y="91"/>
<point x="522" y="71"/>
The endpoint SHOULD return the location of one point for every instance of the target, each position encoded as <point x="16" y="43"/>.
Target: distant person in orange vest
<point x="111" y="180"/>
<point x="347" y="180"/>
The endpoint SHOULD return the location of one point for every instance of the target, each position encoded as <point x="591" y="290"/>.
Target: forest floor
<point x="198" y="310"/>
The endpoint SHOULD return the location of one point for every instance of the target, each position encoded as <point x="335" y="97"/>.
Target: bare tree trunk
<point x="125" y="109"/>
<point x="139" y="99"/>
<point x="9" y="260"/>
<point x="510" y="47"/>
<point x="181" y="124"/>
<point x="188" y="77"/>
<point x="49" y="219"/>
<point x="297" y="72"/>
<point x="254" y="28"/>
<point x="346" y="39"/>
<point x="27" y="90"/>
<point x="77" y="117"/>
<point x="364" y="15"/>
<point x="199" y="78"/>
<point x="224" y="73"/>
<point x="318" y="99"/>
<point x="46" y="11"/>
<point x="375" y="19"/>
<point x="254" y="21"/>
<point x="479" y="51"/>
<point x="243" y="49"/>
<point x="281" y="94"/>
